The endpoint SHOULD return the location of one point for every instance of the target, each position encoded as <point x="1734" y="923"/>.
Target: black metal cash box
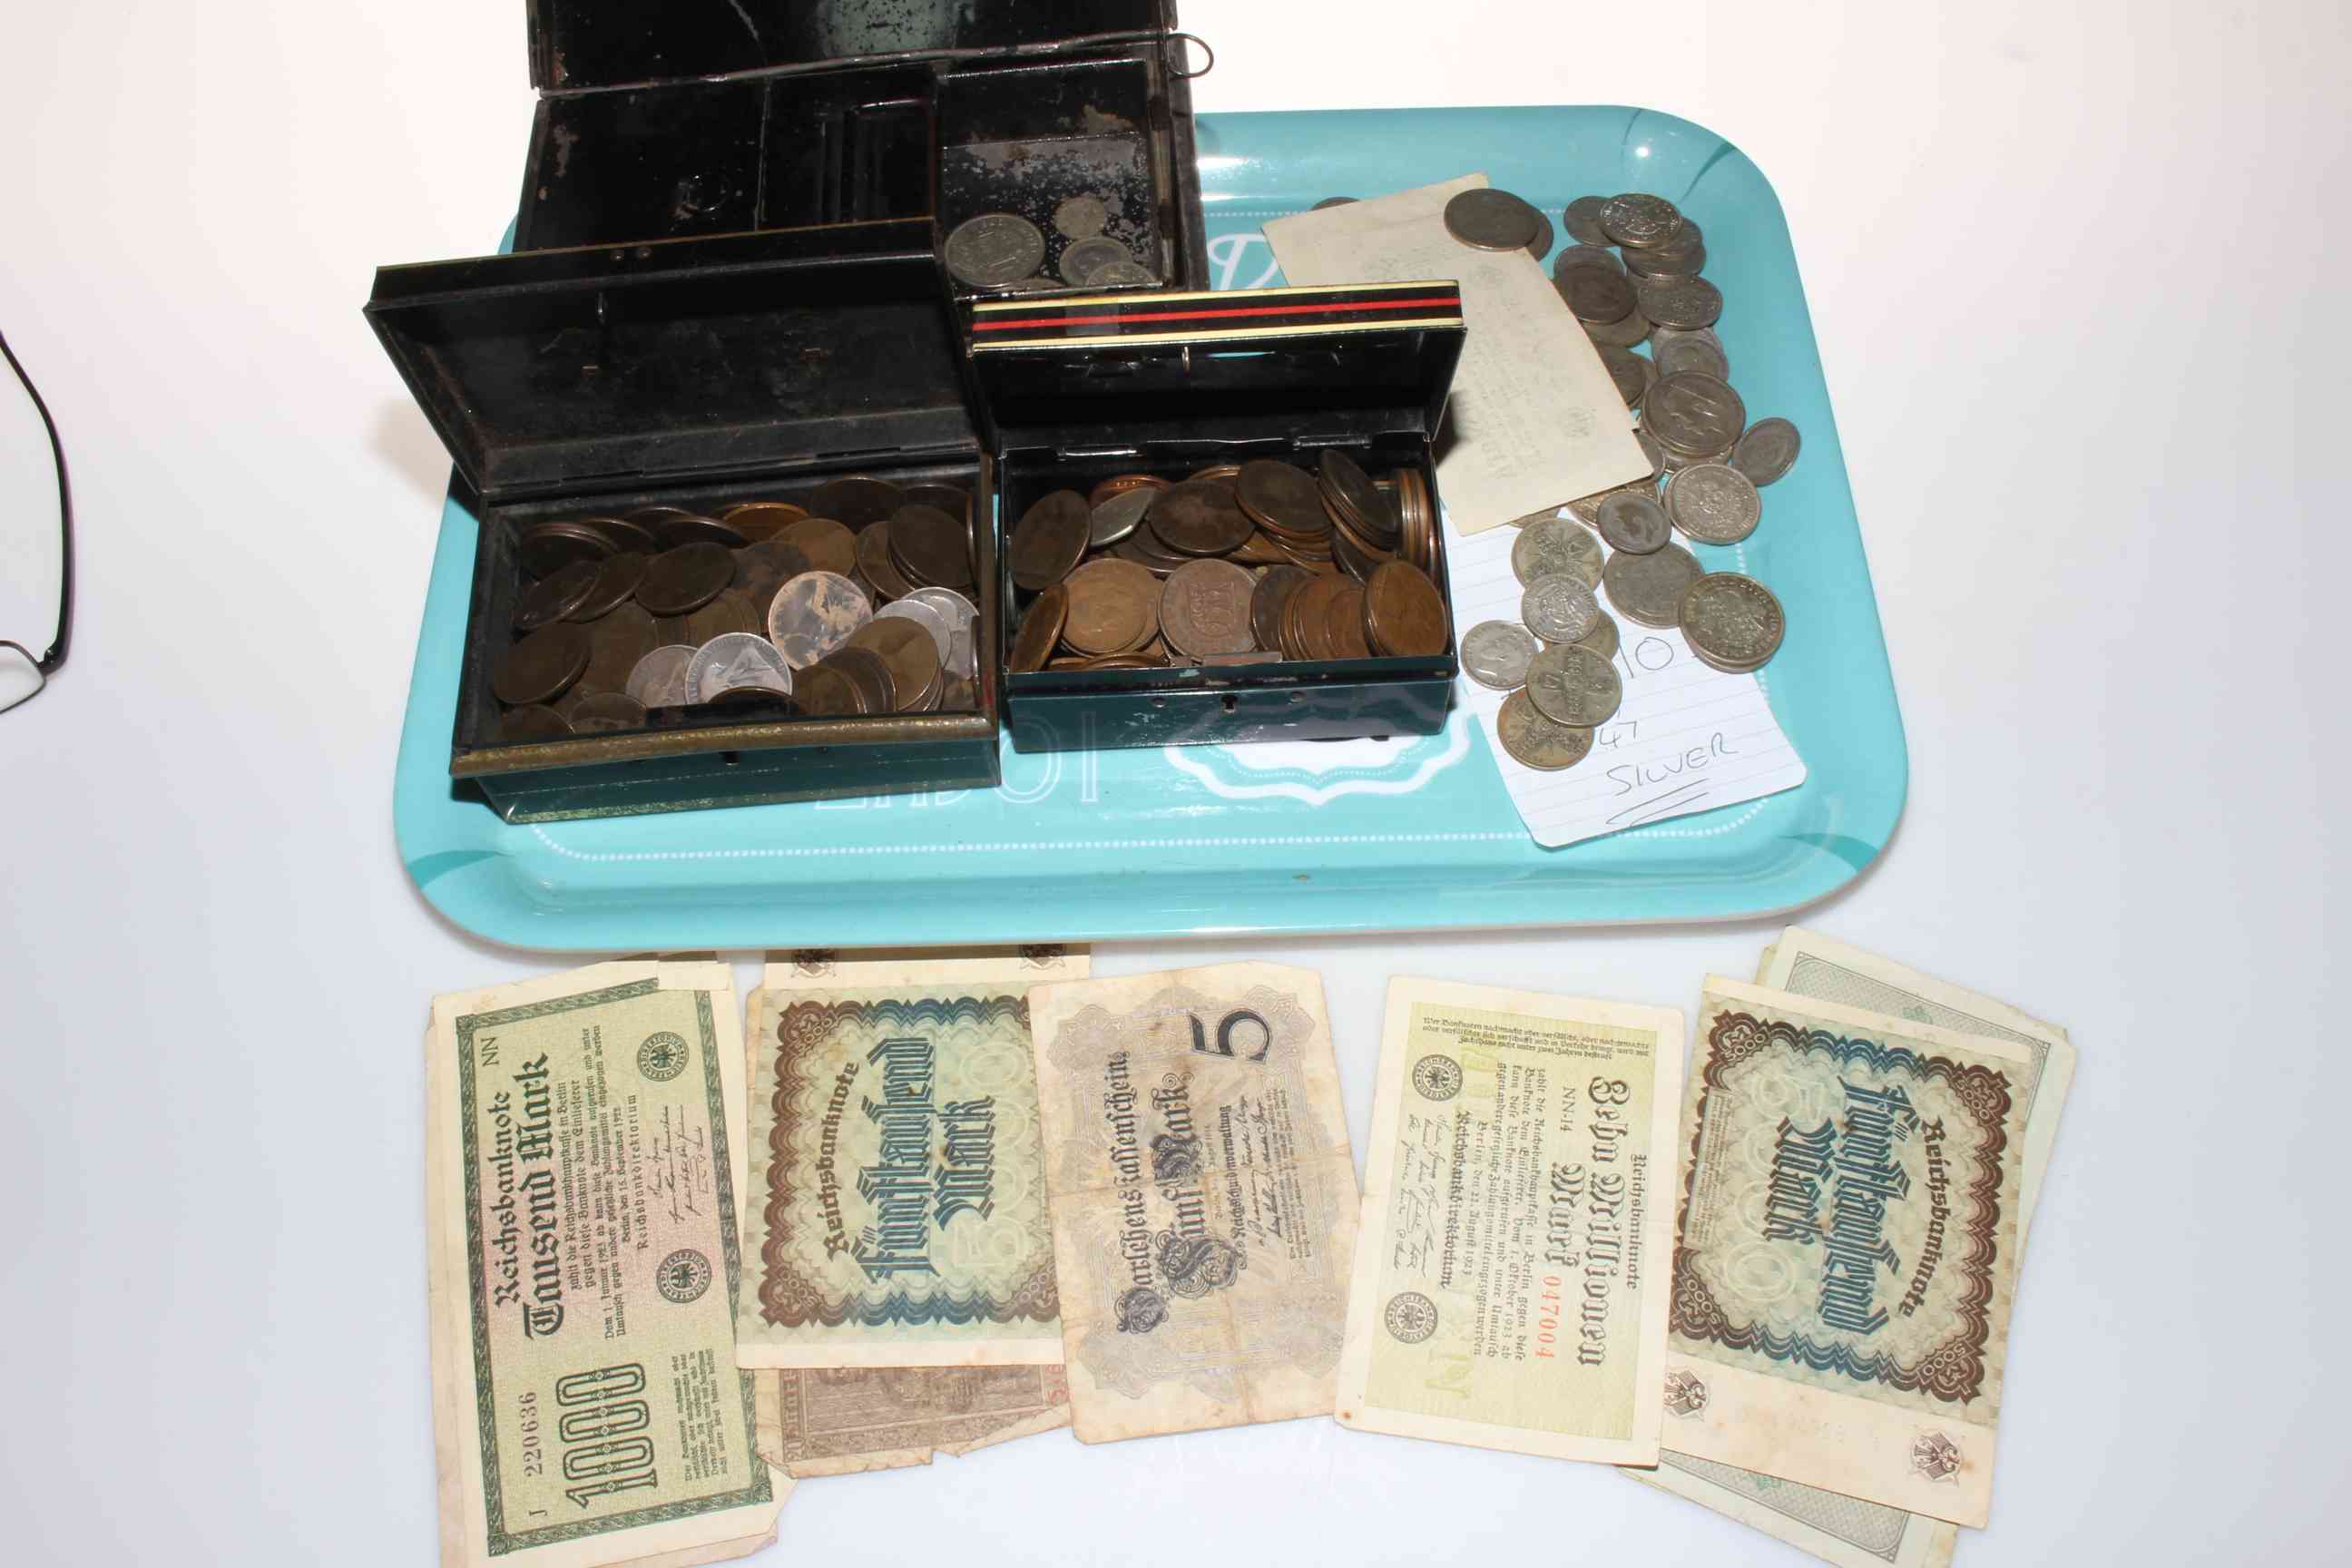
<point x="610" y="382"/>
<point x="666" y="122"/>
<point x="1075" y="393"/>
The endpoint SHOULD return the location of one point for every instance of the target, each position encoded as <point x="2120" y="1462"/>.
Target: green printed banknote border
<point x="501" y="1541"/>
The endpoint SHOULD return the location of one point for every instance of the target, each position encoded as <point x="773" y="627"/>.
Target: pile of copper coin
<point x="855" y="599"/>
<point x="1254" y="562"/>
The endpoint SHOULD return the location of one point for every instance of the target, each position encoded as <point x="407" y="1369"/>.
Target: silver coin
<point x="1086" y="260"/>
<point x="1560" y="609"/>
<point x="1766" y="451"/>
<point x="1603" y="638"/>
<point x="732" y="660"/>
<point x="1081" y="217"/>
<point x="1690" y="413"/>
<point x="1120" y="516"/>
<point x="1488" y="219"/>
<point x="1633" y="521"/>
<point x="1583" y="221"/>
<point x="1585" y="256"/>
<point x="815" y="614"/>
<point x="1639" y="220"/>
<point x="1622" y="333"/>
<point x="1652" y="450"/>
<point x="961" y="615"/>
<point x="1677" y="461"/>
<point x="925" y="616"/>
<point x="1683" y="257"/>
<point x="1679" y="301"/>
<point x="1540" y="246"/>
<point x="1630" y="373"/>
<point x="658" y="679"/>
<point x="995" y="249"/>
<point x="1572" y="685"/>
<point x="1538" y="741"/>
<point x="1649" y="588"/>
<point x="1556" y="546"/>
<point x="1496" y="654"/>
<point x="1680" y="349"/>
<point x="1714" y="503"/>
<point x="1586" y="510"/>
<point x="1732" y="622"/>
<point x="1124" y="274"/>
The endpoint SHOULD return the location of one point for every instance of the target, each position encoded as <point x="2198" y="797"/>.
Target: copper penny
<point x="616" y="583"/>
<point x="1113" y="606"/>
<point x="758" y="519"/>
<point x="1041" y="630"/>
<point x="874" y="562"/>
<point x="1204" y="608"/>
<point x="625" y="534"/>
<point x="857" y="500"/>
<point x="554" y="597"/>
<point x="830" y="546"/>
<point x="932" y="547"/>
<point x="1199" y="518"/>
<point x="868" y="676"/>
<point x="824" y="690"/>
<point x="732" y="611"/>
<point x="1049" y="539"/>
<point x="693" y="528"/>
<point x="548" y="546"/>
<point x="615" y="644"/>
<point x="1269" y="597"/>
<point x="541" y="666"/>
<point x="912" y="657"/>
<point x="685" y="578"/>
<point x="1346" y="619"/>
<point x="1404" y="615"/>
<point x="1282" y="497"/>
<point x="947" y="498"/>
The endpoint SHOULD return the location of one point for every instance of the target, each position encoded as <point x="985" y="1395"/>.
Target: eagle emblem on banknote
<point x="1936" y="1457"/>
<point x="1437" y="1077"/>
<point x="1410" y="1317"/>
<point x="683" y="1275"/>
<point x="662" y="1055"/>
<point x="1685" y="1393"/>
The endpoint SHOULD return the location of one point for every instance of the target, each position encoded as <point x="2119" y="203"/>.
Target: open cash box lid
<point x="579" y="45"/>
<point x="1316" y="363"/>
<point x="560" y="372"/>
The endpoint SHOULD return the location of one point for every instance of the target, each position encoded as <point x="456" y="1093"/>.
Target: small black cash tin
<point x="663" y="122"/>
<point x="1074" y="391"/>
<point x="693" y="372"/>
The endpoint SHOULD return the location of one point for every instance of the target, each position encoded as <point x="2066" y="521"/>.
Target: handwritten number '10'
<point x="1225" y="1028"/>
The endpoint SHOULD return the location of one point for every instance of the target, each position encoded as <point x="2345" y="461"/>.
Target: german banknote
<point x="842" y="1421"/>
<point x="580" y="1189"/>
<point x="1510" y="1278"/>
<point x="1846" y="1249"/>
<point x="1843" y="1530"/>
<point x="1203" y="1196"/>
<point x="897" y="1212"/>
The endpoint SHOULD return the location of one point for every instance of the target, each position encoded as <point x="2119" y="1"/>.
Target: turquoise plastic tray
<point x="1358" y="835"/>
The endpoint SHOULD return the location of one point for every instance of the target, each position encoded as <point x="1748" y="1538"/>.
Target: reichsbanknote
<point x="1511" y="1275"/>
<point x="841" y="1421"/>
<point x="897" y="1213"/>
<point x="582" y="1249"/>
<point x="1845" y="1253"/>
<point x="1203" y="1196"/>
<point x="1850" y="1532"/>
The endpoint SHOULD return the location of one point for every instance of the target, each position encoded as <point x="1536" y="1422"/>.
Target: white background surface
<point x="2077" y="277"/>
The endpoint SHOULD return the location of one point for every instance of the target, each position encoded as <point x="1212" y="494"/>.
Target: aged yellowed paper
<point x="896" y="1215"/>
<point x="843" y="1421"/>
<point x="1203" y="1196"/>
<point x="579" y="1185"/>
<point x="1535" y="421"/>
<point x="1511" y="1273"/>
<point x="1846" y="1531"/>
<point x="1846" y="1249"/>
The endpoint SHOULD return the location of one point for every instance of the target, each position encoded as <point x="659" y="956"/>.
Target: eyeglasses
<point x="52" y="658"/>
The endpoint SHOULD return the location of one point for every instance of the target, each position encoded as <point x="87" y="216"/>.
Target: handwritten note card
<point x="1534" y="420"/>
<point x="1688" y="737"/>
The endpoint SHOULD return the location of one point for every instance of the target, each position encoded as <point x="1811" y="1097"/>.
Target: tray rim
<point x="451" y="860"/>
